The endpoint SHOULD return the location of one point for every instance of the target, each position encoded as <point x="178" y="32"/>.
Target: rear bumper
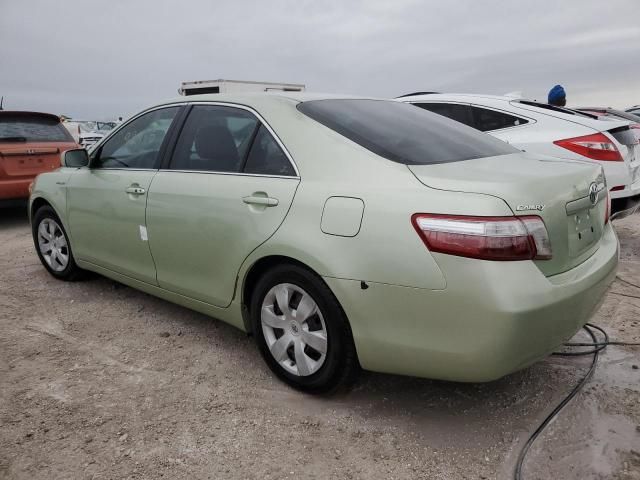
<point x="11" y="189"/>
<point x="629" y="190"/>
<point x="493" y="318"/>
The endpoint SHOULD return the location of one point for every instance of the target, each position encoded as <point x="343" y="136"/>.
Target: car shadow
<point x="11" y="217"/>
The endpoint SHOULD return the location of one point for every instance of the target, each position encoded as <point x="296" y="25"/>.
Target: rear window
<point x="555" y="108"/>
<point x="24" y="128"/>
<point x="624" y="135"/>
<point x="403" y="133"/>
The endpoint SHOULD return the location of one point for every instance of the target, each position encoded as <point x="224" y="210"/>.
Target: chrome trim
<point x="125" y="169"/>
<point x="131" y="119"/>
<point x="262" y="120"/>
<point x="239" y="174"/>
<point x="584" y="203"/>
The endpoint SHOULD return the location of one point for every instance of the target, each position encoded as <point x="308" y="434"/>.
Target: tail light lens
<point x="486" y="238"/>
<point x="597" y="147"/>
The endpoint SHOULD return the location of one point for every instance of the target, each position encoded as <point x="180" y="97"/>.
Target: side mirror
<point x="75" y="158"/>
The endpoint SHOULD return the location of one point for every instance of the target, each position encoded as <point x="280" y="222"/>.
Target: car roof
<point x="509" y="102"/>
<point x="457" y="96"/>
<point x="249" y="98"/>
<point x="25" y="113"/>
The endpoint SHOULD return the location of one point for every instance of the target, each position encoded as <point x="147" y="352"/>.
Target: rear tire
<point x="302" y="332"/>
<point x="53" y="246"/>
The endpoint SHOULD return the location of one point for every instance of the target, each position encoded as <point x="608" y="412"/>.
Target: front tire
<point x="53" y="246"/>
<point x="301" y="330"/>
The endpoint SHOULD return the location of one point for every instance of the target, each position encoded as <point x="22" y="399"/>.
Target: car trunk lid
<point x="556" y="190"/>
<point x="29" y="159"/>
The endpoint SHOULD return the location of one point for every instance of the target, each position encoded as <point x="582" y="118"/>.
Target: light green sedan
<point x="340" y="232"/>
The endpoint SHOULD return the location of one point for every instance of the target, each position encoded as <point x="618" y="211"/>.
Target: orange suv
<point x="30" y="143"/>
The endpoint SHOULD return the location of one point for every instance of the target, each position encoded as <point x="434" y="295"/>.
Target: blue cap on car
<point x="556" y="93"/>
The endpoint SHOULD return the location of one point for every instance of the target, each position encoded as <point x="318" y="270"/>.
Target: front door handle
<point x="264" y="201"/>
<point x="134" y="190"/>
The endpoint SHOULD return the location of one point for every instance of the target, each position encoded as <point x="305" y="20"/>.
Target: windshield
<point x="402" y="132"/>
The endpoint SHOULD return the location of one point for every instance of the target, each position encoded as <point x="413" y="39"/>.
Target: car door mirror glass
<point x="75" y="158"/>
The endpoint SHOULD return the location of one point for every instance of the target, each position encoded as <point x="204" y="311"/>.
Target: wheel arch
<point x="41" y="201"/>
<point x="258" y="269"/>
<point x="37" y="203"/>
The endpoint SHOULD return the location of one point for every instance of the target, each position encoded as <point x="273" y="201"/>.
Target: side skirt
<point x="231" y="315"/>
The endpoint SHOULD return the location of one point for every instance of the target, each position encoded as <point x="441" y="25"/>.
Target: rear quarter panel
<point x="386" y="249"/>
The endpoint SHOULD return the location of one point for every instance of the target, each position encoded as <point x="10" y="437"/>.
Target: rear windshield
<point x="24" y="128"/>
<point x="402" y="132"/>
<point x="624" y="135"/>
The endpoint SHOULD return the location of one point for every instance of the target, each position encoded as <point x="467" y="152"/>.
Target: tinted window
<point x="403" y="133"/>
<point x="486" y="120"/>
<point x="266" y="156"/>
<point x="23" y="128"/>
<point x="214" y="139"/>
<point x="457" y="112"/>
<point x="137" y="144"/>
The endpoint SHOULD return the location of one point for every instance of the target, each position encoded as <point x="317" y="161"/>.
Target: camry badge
<point x="538" y="207"/>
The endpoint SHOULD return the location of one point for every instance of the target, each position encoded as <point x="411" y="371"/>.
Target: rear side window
<point x="25" y="128"/>
<point x="486" y="120"/>
<point x="214" y="139"/>
<point x="454" y="111"/>
<point x="402" y="133"/>
<point x="266" y="157"/>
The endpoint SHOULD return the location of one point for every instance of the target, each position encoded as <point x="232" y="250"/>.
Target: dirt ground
<point x="101" y="381"/>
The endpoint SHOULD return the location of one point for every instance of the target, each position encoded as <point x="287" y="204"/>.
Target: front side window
<point x="137" y="144"/>
<point x="487" y="120"/>
<point x="403" y="133"/>
<point x="215" y="139"/>
<point x="454" y="111"/>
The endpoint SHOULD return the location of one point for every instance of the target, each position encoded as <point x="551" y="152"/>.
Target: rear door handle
<point x="265" y="201"/>
<point x="135" y="190"/>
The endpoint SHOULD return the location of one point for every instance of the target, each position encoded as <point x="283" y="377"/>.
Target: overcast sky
<point x="101" y="59"/>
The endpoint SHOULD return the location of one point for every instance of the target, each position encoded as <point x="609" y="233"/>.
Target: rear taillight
<point x="486" y="238"/>
<point x="597" y="147"/>
<point x="616" y="188"/>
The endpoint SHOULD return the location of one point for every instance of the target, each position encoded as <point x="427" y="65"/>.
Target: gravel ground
<point x="101" y="381"/>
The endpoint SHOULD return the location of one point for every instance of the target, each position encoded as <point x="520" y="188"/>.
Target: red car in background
<point x="30" y="143"/>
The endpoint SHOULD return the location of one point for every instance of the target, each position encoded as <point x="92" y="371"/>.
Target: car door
<point x="106" y="202"/>
<point x="227" y="188"/>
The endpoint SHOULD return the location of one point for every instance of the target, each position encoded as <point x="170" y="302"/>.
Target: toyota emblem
<point x="593" y="193"/>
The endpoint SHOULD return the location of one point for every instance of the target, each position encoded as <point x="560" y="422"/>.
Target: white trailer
<point x="227" y="86"/>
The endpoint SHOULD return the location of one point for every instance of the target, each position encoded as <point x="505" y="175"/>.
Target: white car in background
<point x="546" y="129"/>
<point x="88" y="132"/>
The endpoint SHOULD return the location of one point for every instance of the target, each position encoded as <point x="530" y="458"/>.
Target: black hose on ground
<point x="595" y="350"/>
<point x="597" y="346"/>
